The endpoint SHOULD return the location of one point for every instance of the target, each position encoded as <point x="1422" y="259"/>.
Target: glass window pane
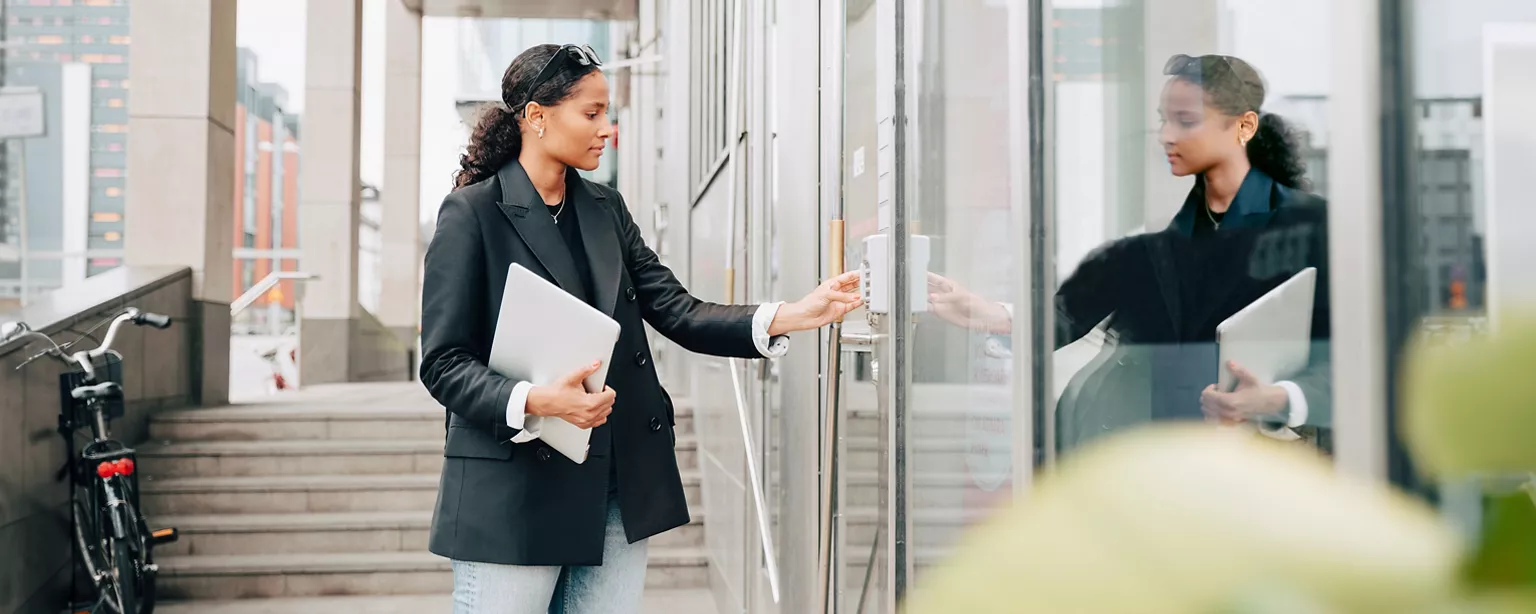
<point x="1190" y="145"/>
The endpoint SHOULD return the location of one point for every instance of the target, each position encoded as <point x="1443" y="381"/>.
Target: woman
<point x="527" y="529"/>
<point x="1246" y="226"/>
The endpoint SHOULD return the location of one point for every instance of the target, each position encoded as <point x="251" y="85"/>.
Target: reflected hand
<point x="831" y="300"/>
<point x="955" y="304"/>
<point x="568" y="400"/>
<point x="1249" y="400"/>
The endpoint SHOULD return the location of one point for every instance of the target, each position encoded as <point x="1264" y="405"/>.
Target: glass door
<point x="933" y="386"/>
<point x="963" y="379"/>
<point x="862" y="443"/>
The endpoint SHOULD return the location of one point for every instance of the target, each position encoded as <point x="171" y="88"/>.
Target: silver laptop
<point x="544" y="333"/>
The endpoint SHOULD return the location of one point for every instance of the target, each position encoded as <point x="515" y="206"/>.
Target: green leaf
<point x="1468" y="405"/>
<point x="1506" y="556"/>
<point x="1181" y="519"/>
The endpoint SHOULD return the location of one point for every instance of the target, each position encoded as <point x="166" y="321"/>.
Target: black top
<point x="570" y="230"/>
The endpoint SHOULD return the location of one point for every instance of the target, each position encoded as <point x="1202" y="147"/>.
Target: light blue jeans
<point x="615" y="587"/>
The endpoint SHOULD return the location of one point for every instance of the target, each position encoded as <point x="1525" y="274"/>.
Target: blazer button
<point x="629" y="293"/>
<point x="640" y="359"/>
<point x="543" y="454"/>
<point x="655" y="424"/>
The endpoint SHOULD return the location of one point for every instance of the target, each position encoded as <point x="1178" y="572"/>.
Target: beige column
<point x="181" y="165"/>
<point x="1190" y="27"/>
<point x="400" y="260"/>
<point x="329" y="189"/>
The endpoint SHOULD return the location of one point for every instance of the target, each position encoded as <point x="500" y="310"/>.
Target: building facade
<point x="266" y="233"/>
<point x="68" y="184"/>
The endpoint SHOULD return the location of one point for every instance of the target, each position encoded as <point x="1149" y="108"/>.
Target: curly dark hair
<point x="1235" y="87"/>
<point x="498" y="134"/>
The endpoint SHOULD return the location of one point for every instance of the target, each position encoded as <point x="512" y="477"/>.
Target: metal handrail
<point x="261" y="287"/>
<point x="733" y="124"/>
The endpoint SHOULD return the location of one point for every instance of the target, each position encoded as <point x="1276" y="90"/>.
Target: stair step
<point x="930" y="489"/>
<point x="932" y="454"/>
<point x="314" y="456"/>
<point x="281" y="494"/>
<point x="258" y="422"/>
<point x="290" y="494"/>
<point x="279" y="422"/>
<point x="292" y="457"/>
<point x="251" y="534"/>
<point x="931" y="529"/>
<point x="659" y="601"/>
<point x="370" y="573"/>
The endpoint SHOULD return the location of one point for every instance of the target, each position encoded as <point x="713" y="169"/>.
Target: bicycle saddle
<point x="104" y="390"/>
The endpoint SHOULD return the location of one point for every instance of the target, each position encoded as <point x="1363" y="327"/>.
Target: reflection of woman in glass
<point x="1245" y="227"/>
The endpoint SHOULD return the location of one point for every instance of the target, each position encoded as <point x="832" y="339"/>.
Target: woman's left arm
<point x="739" y="331"/>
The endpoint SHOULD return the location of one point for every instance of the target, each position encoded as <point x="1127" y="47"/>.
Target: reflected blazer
<point x="523" y="504"/>
<point x="1161" y="350"/>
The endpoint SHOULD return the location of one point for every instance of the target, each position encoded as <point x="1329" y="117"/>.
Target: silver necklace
<point x="561" y="209"/>
<point x="1214" y="222"/>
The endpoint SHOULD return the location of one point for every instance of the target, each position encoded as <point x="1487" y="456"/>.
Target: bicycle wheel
<point x="92" y="558"/>
<point x="125" y="576"/>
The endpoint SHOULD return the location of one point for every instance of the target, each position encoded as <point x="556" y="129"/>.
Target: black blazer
<point x="523" y="504"/>
<point x="1161" y="350"/>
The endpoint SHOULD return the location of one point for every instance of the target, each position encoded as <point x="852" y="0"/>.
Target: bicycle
<point x="114" y="544"/>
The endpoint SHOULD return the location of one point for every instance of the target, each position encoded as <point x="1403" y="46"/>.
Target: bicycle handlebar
<point x="84" y="359"/>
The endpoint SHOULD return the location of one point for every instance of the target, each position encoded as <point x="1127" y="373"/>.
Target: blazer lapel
<point x="601" y="239"/>
<point x="523" y="206"/>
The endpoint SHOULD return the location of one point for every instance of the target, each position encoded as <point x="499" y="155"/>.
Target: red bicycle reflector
<point x="106" y="470"/>
<point x="125" y="466"/>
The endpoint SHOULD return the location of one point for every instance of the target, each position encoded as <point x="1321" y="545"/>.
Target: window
<point x="710" y="80"/>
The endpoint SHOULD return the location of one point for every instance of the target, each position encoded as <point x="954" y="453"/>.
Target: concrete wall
<point x="158" y="374"/>
<point x="378" y="353"/>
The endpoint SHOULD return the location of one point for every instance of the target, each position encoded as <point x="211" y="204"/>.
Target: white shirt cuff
<point x="769" y="347"/>
<point x="1297" y="404"/>
<point x="1296" y="414"/>
<point x="517" y="414"/>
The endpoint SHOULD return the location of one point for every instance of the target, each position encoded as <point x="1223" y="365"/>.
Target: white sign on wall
<point x="21" y="113"/>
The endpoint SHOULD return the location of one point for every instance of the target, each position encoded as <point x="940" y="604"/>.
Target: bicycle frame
<point x="113" y="540"/>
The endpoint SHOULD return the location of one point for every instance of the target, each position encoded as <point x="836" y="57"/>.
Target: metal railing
<point x="261" y="287"/>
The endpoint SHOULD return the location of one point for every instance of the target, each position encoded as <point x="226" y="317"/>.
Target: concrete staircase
<point x="330" y="492"/>
<point x="959" y="474"/>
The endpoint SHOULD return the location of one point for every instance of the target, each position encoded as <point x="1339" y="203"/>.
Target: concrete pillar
<point x="181" y="165"/>
<point x="1191" y="27"/>
<point x="400" y="270"/>
<point x="329" y="188"/>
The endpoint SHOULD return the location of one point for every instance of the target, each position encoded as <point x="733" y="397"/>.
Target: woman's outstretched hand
<point x="833" y="299"/>
<point x="953" y="303"/>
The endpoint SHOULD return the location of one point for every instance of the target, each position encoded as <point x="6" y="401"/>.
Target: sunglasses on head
<point x="1183" y="64"/>
<point x="1180" y="64"/>
<point x="582" y="55"/>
